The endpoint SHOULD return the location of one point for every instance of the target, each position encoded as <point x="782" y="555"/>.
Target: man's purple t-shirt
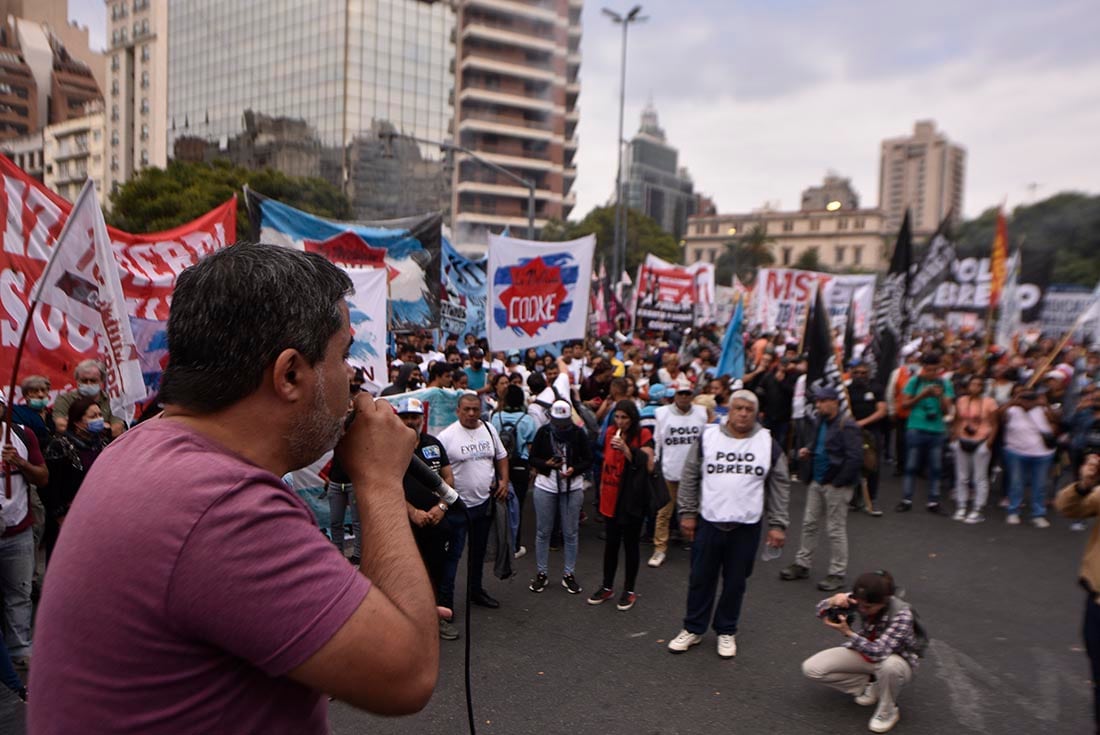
<point x="185" y="584"/>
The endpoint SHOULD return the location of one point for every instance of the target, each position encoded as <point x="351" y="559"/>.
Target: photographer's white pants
<point x="972" y="466"/>
<point x="845" y="670"/>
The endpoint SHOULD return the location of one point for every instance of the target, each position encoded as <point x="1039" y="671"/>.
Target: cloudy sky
<point x="762" y="97"/>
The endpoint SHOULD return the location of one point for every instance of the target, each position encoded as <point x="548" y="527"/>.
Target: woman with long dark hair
<point x="624" y="500"/>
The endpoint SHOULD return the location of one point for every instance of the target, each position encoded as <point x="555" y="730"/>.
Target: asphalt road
<point x="1001" y="604"/>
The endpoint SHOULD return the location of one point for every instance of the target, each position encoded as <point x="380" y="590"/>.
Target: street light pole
<point x="529" y="184"/>
<point x="618" y="247"/>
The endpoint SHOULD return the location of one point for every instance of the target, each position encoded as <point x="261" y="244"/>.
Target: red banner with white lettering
<point x="32" y="218"/>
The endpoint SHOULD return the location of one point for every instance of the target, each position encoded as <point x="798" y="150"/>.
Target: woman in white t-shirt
<point x="1028" y="455"/>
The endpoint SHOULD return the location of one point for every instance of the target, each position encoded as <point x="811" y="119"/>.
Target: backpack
<point x="920" y="633"/>
<point x="509" y="439"/>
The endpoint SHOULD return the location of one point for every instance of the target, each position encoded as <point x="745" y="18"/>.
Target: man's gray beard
<point x="315" y="432"/>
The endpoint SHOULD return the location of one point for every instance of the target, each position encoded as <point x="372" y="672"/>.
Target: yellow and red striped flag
<point x="998" y="260"/>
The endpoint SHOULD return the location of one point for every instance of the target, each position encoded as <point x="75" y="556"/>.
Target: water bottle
<point x="770" y="553"/>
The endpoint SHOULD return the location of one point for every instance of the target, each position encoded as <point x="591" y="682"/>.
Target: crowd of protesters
<point x="975" y="432"/>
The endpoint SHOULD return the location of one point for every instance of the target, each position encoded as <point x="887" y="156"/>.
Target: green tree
<point x="809" y="260"/>
<point x="160" y="199"/>
<point x="1059" y="236"/>
<point x="643" y="236"/>
<point x="745" y="255"/>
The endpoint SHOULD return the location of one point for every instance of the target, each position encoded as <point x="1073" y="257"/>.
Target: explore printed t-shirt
<point x="472" y="453"/>
<point x="186" y="584"/>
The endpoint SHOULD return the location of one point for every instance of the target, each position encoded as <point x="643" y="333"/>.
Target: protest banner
<point x="32" y="218"/>
<point x="408" y="248"/>
<point x="664" y="296"/>
<point x="539" y="291"/>
<point x="465" y="286"/>
<point x="367" y="315"/>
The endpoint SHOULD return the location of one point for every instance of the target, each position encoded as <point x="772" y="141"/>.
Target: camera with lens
<point x="836" y="614"/>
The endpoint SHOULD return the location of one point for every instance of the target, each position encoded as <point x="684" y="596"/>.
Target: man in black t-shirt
<point x="427" y="513"/>
<point x="869" y="411"/>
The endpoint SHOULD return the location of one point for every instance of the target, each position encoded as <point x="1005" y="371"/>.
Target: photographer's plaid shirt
<point x="877" y="639"/>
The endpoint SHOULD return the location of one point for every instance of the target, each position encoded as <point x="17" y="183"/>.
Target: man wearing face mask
<point x="91" y="379"/>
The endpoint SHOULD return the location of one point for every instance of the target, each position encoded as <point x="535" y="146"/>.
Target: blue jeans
<point x="714" y="552"/>
<point x="8" y="677"/>
<point x="546" y="507"/>
<point x="926" y="445"/>
<point x="340" y="498"/>
<point x="16" y="573"/>
<point x="1037" y="472"/>
<point x="481" y="520"/>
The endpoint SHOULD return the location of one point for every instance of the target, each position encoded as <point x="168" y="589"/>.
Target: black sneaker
<point x="601" y="596"/>
<point x="794" y="571"/>
<point x="831" y="583"/>
<point x="22" y="694"/>
<point x="569" y="582"/>
<point x="904" y="506"/>
<point x="538" y="584"/>
<point x="626" y="601"/>
<point x="933" y="507"/>
<point x="355" y="560"/>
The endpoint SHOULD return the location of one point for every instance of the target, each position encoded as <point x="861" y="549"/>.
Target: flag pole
<point x="35" y="298"/>
<point x="1081" y="318"/>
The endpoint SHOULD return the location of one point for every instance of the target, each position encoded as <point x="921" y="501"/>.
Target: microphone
<point x="425" y="475"/>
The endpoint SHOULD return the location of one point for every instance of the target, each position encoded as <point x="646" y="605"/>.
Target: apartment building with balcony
<point x="136" y="103"/>
<point x="73" y="152"/>
<point x="517" y="67"/>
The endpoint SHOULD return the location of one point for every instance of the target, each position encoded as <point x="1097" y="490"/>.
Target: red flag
<point x="998" y="260"/>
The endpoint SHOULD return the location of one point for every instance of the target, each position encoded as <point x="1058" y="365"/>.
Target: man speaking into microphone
<point x="190" y="590"/>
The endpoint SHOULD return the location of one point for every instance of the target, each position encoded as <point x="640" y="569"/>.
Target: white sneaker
<point x="974" y="517"/>
<point x="960" y="514"/>
<point x="1012" y="519"/>
<point x="1040" y="522"/>
<point x="884" y="720"/>
<point x="520" y="553"/>
<point x="868" y="696"/>
<point x="727" y="646"/>
<point x="683" y="641"/>
<point x="657" y="559"/>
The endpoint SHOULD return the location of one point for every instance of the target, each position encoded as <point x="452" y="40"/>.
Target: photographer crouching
<point x="874" y="664"/>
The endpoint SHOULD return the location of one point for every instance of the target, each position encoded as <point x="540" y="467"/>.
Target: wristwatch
<point x="442" y="507"/>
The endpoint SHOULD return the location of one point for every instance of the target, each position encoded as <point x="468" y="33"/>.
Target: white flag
<point x="82" y="281"/>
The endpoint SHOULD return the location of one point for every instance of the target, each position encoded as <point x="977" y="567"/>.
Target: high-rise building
<point x="833" y="194"/>
<point x="517" y="83"/>
<point x="136" y="103"/>
<point x="74" y="152"/>
<point x="330" y="80"/>
<point x="55" y="15"/>
<point x="41" y="82"/>
<point x="924" y="173"/>
<point x="653" y="181"/>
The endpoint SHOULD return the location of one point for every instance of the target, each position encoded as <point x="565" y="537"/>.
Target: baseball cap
<point x="476" y="352"/>
<point x="561" y="411"/>
<point x="410" y="405"/>
<point x="826" y="393"/>
<point x="682" y="385"/>
<point x="657" y="392"/>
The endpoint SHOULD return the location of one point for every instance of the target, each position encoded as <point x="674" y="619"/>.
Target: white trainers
<point x="1012" y="519"/>
<point x="885" y="719"/>
<point x="520" y="553"/>
<point x="727" y="646"/>
<point x="868" y="696"/>
<point x="683" y="641"/>
<point x="1040" y="522"/>
<point x="960" y="514"/>
<point x="657" y="559"/>
<point x="974" y="517"/>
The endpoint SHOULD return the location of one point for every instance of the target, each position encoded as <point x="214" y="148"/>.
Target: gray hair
<point x="34" y="382"/>
<point x="88" y="365"/>
<point x="745" y="395"/>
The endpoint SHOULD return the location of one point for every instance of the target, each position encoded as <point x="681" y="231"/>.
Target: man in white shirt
<point x="679" y="427"/>
<point x="733" y="482"/>
<point x="480" y="466"/>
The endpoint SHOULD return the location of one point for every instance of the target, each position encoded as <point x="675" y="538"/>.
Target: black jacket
<point x="844" y="448"/>
<point x="577" y="452"/>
